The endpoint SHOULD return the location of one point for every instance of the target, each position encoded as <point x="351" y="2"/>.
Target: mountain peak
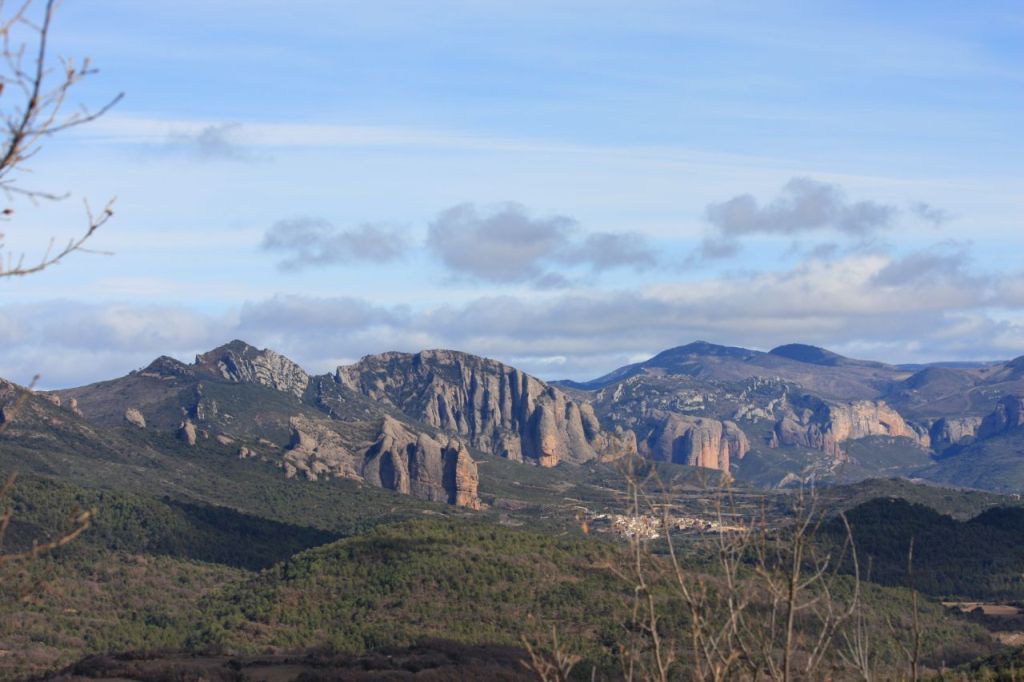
<point x="236" y="346"/>
<point x="706" y="348"/>
<point x="814" y="355"/>
<point x="242" y="363"/>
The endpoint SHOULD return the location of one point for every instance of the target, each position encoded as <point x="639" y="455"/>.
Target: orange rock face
<point x="698" y="441"/>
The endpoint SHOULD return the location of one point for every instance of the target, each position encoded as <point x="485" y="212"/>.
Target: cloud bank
<point x="924" y="305"/>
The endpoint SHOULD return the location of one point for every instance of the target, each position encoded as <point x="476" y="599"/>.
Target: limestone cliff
<point x="1009" y="414"/>
<point x="951" y="430"/>
<point x="418" y="465"/>
<point x="494" y="407"/>
<point x="241" y="363"/>
<point x="826" y="425"/>
<point x="317" y="451"/>
<point x="401" y="460"/>
<point x="697" y="441"/>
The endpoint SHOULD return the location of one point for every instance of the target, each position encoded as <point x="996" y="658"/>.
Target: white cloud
<point x="506" y="244"/>
<point x="928" y="311"/>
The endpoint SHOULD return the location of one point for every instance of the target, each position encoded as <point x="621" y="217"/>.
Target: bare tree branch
<point x="37" y="114"/>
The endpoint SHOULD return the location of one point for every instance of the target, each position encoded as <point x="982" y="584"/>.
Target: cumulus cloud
<point x="804" y="205"/>
<point x="503" y="245"/>
<point x="314" y="242"/>
<point x="506" y="244"/>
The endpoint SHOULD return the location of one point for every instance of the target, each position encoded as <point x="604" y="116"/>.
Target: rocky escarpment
<point x="952" y="430"/>
<point x="1008" y="415"/>
<point x="825" y="425"/>
<point x="241" y="363"/>
<point x="419" y="465"/>
<point x="316" y="451"/>
<point x="494" y="407"/>
<point x="437" y="469"/>
<point x="697" y="441"/>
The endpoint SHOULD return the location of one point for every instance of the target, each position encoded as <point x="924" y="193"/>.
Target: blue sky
<point x="566" y="186"/>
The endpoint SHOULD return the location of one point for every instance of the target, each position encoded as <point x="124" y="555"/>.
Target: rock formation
<point x="135" y="418"/>
<point x="1009" y="414"/>
<point x="418" y="465"/>
<point x="73" y="407"/>
<point x="494" y="407"/>
<point x="240" y="362"/>
<point x="317" y="451"/>
<point x="825" y="425"/>
<point x="951" y="430"/>
<point x="187" y="432"/>
<point x="697" y="441"/>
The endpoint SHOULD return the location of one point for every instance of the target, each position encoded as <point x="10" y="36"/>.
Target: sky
<point x="564" y="186"/>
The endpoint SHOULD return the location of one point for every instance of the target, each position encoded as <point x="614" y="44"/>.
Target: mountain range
<point x="419" y="424"/>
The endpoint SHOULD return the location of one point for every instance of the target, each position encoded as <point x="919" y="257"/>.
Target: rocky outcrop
<point x="824" y="425"/>
<point x="72" y="406"/>
<point x="952" y="430"/>
<point x="493" y="407"/>
<point x="697" y="441"/>
<point x="400" y="459"/>
<point x="317" y="451"/>
<point x="419" y="465"/>
<point x="1008" y="415"/>
<point x="54" y="399"/>
<point x="241" y="363"/>
<point x="135" y="418"/>
<point x="187" y="432"/>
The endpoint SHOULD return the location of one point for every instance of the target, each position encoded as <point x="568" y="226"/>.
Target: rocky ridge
<point x="826" y="425"/>
<point x="496" y="408"/>
<point x="241" y="363"/>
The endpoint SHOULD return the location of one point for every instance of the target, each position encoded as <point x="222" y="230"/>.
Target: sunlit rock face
<point x="494" y="407"/>
<point x="241" y="363"/>
<point x="826" y="425"/>
<point x="697" y="441"/>
<point x="417" y="464"/>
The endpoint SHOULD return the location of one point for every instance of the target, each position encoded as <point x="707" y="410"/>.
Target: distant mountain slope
<point x="412" y="422"/>
<point x="804" y="411"/>
<point x="936" y="392"/>
<point x="400" y="421"/>
<point x="815" y="369"/>
<point x="266" y="407"/>
<point x="810" y="354"/>
<point x="979" y="558"/>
